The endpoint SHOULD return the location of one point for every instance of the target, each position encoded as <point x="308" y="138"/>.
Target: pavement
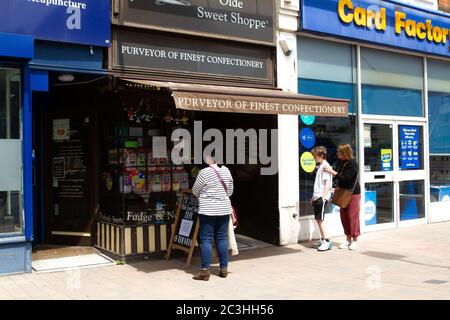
<point x="408" y="263"/>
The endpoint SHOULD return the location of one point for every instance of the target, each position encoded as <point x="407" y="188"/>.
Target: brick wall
<point x="444" y="5"/>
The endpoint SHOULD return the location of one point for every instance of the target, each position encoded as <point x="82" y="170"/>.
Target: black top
<point x="347" y="173"/>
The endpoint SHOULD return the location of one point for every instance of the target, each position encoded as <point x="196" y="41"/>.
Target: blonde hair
<point x="346" y="151"/>
<point x="320" y="151"/>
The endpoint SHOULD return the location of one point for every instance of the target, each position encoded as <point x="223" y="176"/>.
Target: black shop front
<point x="113" y="140"/>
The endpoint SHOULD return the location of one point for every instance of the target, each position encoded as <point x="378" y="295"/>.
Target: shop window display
<point x="140" y="186"/>
<point x="139" y="183"/>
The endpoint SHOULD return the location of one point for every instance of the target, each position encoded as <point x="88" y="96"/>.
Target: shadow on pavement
<point x="178" y="260"/>
<point x="391" y="256"/>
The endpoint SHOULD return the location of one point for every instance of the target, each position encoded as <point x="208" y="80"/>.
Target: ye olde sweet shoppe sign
<point x="238" y="19"/>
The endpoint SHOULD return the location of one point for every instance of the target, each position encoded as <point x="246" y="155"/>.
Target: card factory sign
<point x="241" y="19"/>
<point x="159" y="52"/>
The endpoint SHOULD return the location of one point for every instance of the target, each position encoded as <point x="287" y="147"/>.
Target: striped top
<point x="213" y="200"/>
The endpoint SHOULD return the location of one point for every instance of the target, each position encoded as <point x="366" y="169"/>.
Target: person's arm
<point x="330" y="169"/>
<point x="199" y="184"/>
<point x="230" y="185"/>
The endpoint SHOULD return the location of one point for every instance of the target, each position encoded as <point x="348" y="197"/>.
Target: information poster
<point x="409" y="147"/>
<point x="386" y="159"/>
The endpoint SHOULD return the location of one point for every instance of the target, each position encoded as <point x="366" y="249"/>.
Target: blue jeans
<point x="214" y="228"/>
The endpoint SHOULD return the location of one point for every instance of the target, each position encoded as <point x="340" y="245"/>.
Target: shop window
<point x="392" y="84"/>
<point x="327" y="132"/>
<point x="325" y="69"/>
<point x="439" y="129"/>
<point x="140" y="184"/>
<point x="11" y="148"/>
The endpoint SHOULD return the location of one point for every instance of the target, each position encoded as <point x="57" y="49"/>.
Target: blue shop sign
<point x="409" y="147"/>
<point x="83" y="22"/>
<point x="382" y="22"/>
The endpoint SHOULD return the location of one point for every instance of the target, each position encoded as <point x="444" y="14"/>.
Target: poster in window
<point x="61" y="129"/>
<point x="410" y="149"/>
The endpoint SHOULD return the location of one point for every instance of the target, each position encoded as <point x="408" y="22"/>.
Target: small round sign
<point x="308" y="120"/>
<point x="307" y="162"/>
<point x="307" y="138"/>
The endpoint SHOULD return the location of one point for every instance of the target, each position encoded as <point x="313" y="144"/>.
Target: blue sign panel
<point x="307" y="138"/>
<point x="382" y="22"/>
<point x="370" y="207"/>
<point x="409" y="147"/>
<point x="16" y="46"/>
<point x="82" y="21"/>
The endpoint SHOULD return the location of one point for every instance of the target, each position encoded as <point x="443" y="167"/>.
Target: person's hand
<point x="311" y="201"/>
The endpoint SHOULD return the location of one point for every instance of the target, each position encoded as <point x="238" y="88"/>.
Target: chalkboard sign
<point x="185" y="228"/>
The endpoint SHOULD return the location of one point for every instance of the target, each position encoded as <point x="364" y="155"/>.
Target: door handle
<point x="380" y="176"/>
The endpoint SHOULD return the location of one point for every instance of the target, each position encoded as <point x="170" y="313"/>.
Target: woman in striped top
<point x="213" y="187"/>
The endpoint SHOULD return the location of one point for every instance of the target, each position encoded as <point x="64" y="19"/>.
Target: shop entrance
<point x="394" y="175"/>
<point x="69" y="200"/>
<point x="65" y="149"/>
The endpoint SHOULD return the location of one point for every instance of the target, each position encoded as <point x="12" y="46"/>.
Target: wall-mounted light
<point x="66" y="77"/>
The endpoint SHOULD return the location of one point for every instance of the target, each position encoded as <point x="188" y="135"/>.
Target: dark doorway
<point x="66" y="162"/>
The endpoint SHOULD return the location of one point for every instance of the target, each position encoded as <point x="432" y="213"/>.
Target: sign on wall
<point x="240" y="19"/>
<point x="381" y="22"/>
<point x="83" y="22"/>
<point x="133" y="50"/>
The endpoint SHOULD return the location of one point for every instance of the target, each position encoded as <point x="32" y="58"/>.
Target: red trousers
<point x="350" y="217"/>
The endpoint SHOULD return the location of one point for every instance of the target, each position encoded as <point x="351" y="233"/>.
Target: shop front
<point x="181" y="86"/>
<point x="394" y="68"/>
<point x="42" y="42"/>
<point x="68" y="60"/>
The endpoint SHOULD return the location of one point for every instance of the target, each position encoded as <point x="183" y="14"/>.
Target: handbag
<point x="234" y="215"/>
<point x="342" y="197"/>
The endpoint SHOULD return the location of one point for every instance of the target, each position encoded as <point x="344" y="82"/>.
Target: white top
<point x="213" y="200"/>
<point x="321" y="179"/>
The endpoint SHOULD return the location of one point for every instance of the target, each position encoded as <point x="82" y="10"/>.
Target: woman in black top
<point x="347" y="178"/>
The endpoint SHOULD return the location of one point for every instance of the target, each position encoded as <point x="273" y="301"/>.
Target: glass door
<point x="393" y="176"/>
<point x="378" y="176"/>
<point x="411" y="174"/>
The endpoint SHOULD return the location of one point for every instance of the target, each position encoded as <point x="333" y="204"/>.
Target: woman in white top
<point x="213" y="187"/>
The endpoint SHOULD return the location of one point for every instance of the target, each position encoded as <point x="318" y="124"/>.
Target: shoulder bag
<point x="342" y="197"/>
<point x="235" y="219"/>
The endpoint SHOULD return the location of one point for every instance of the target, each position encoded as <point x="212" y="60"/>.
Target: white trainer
<point x="354" y="245"/>
<point x="344" y="245"/>
<point x="326" y="245"/>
